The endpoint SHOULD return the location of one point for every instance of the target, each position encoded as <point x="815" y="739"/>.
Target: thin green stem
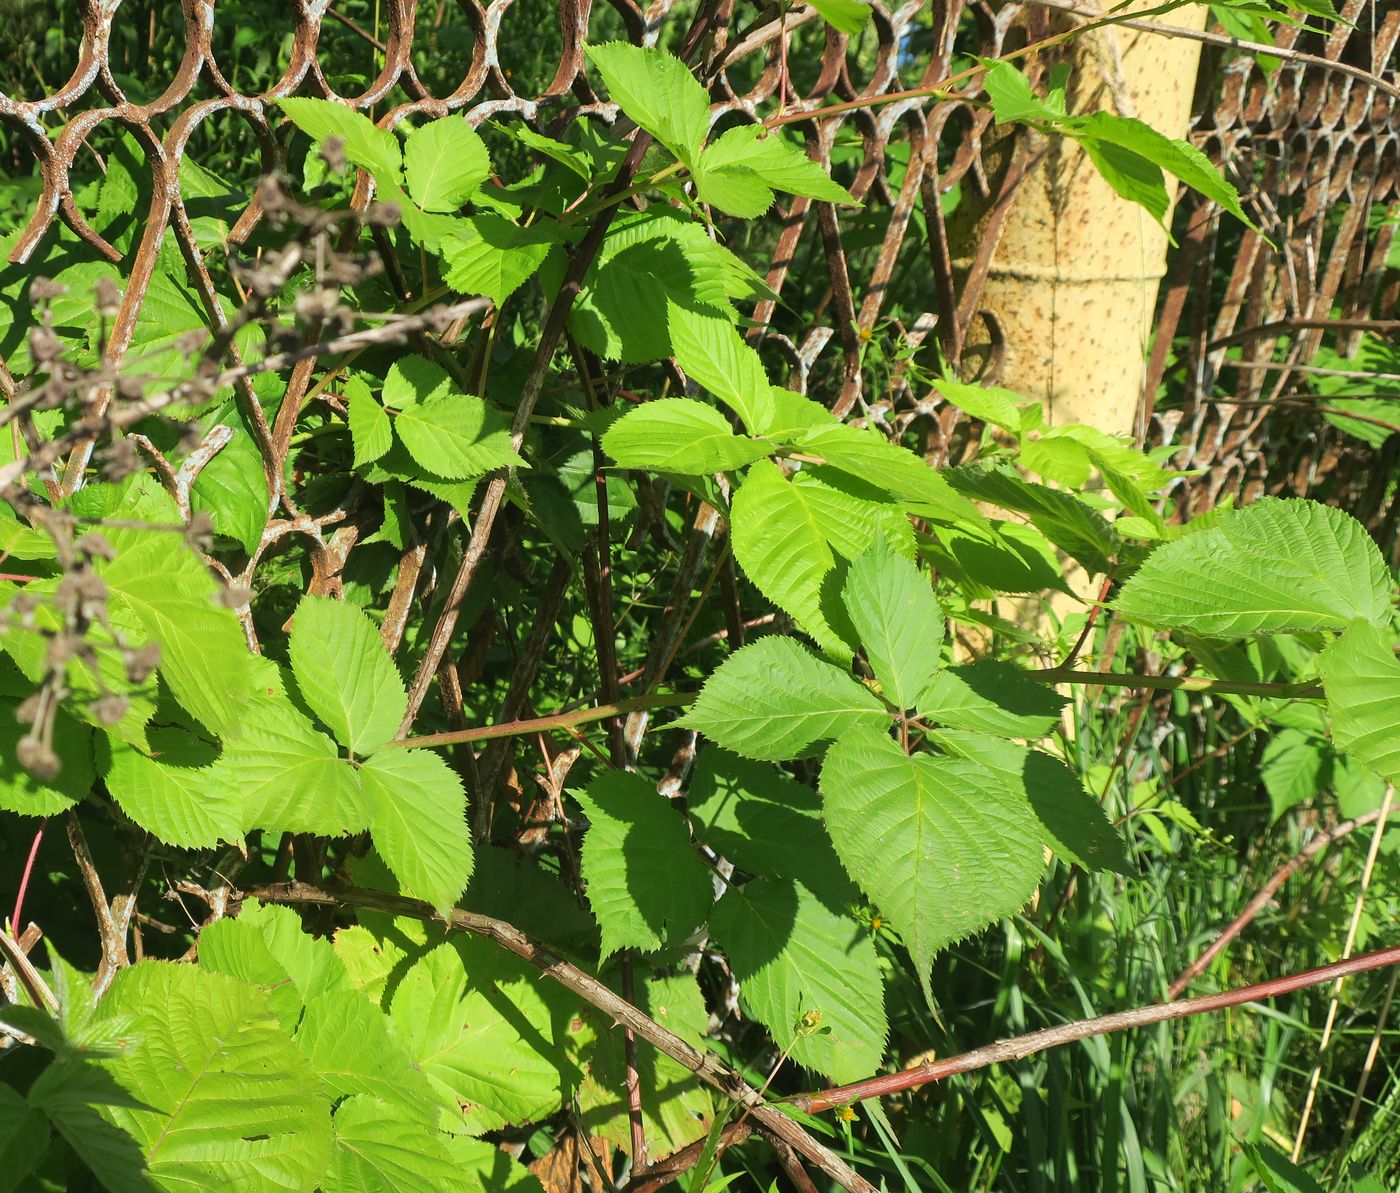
<point x="567" y="720"/>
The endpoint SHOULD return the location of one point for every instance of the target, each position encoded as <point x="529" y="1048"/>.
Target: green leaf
<point x="897" y="619"/>
<point x="232" y="1103"/>
<point x="990" y="403"/>
<point x="159" y="587"/>
<point x="486" y="1033"/>
<point x="1116" y="140"/>
<point x="444" y="163"/>
<point x="645" y="884"/>
<point x="1294" y="768"/>
<point x="366" y="145"/>
<point x="232" y="488"/>
<point x="419" y="824"/>
<point x="676" y="1109"/>
<point x="787" y="535"/>
<point x="290" y="777"/>
<point x="1277" y="1172"/>
<point x="77" y="1096"/>
<point x="170" y="794"/>
<point x="657" y="92"/>
<point x="414" y="380"/>
<point x="267" y="947"/>
<point x="489" y="255"/>
<point x="712" y="353"/>
<point x="348" y="1040"/>
<point x="344" y="673"/>
<point x="382" y="1147"/>
<point x="791" y="955"/>
<point x="766" y="823"/>
<point x="939" y="844"/>
<point x="24" y="1138"/>
<point x="741" y="169"/>
<point x="774" y="700"/>
<point x="647" y="259"/>
<point x="1276" y="566"/>
<point x="679" y="435"/>
<point x="1012" y="97"/>
<point x="1073" y="822"/>
<point x="868" y="457"/>
<point x="1080" y="532"/>
<point x="26" y="795"/>
<point x="370" y="430"/>
<point x="847" y="16"/>
<point x="1361" y="678"/>
<point x="990" y="696"/>
<point x="458" y="437"/>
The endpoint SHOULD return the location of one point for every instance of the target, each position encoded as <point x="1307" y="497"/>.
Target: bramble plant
<point x="241" y="552"/>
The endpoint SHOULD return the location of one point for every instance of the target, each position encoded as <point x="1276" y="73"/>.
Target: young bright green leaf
<point x="486" y="1033"/>
<point x="419" y="823"/>
<point x="780" y="542"/>
<point x="290" y="776"/>
<point x="990" y="403"/>
<point x="232" y="488"/>
<point x="161" y="590"/>
<point x="231" y="1102"/>
<point x="791" y="955"/>
<point x="1110" y="138"/>
<point x="1276" y="566"/>
<point x="170" y="795"/>
<point x="897" y="619"/>
<point x="370" y="430"/>
<point x="1013" y="98"/>
<point x="657" y="92"/>
<point x="457" y="436"/>
<point x="712" y="353"/>
<point x="1276" y="1172"/>
<point x="990" y="696"/>
<point x="1361" y="678"/>
<point x="413" y="380"/>
<point x="1003" y="556"/>
<point x="645" y="884"/>
<point x="490" y="255"/>
<point x="742" y="168"/>
<point x="382" y="1145"/>
<point x="845" y="16"/>
<point x="1080" y="532"/>
<point x="344" y="673"/>
<point x="366" y="145"/>
<point x="869" y="457"/>
<point x="941" y="845"/>
<point x="774" y="700"/>
<point x="679" y="435"/>
<point x="444" y="163"/>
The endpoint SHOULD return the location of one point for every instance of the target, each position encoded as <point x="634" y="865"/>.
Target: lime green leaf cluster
<point x="1129" y="154"/>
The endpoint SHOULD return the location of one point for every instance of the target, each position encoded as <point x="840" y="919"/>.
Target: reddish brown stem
<point x="1053" y="1037"/>
<point x="24" y="878"/>
<point x="1262" y="897"/>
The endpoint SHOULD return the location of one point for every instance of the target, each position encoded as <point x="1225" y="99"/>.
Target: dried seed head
<point x="141" y="661"/>
<point x="234" y="596"/>
<point x="43" y="289"/>
<point x="37" y="757"/>
<point x="94" y="545"/>
<point x="108" y="297"/>
<point x="333" y="154"/>
<point x="44" y="346"/>
<point x="199" y="532"/>
<point x="110" y="709"/>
